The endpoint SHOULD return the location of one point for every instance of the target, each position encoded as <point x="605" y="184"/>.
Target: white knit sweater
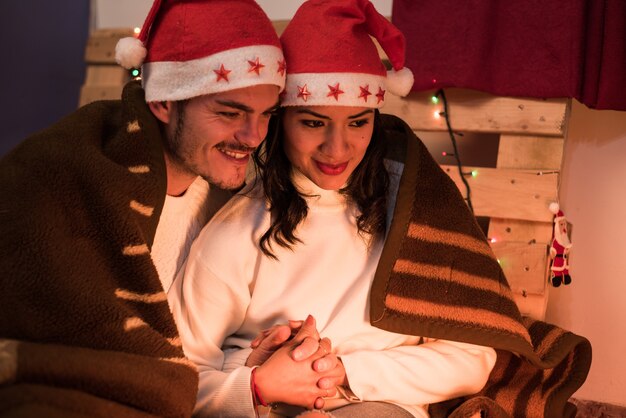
<point x="182" y="219"/>
<point x="230" y="291"/>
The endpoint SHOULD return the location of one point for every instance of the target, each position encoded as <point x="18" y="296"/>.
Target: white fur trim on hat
<point x="130" y="52"/>
<point x="400" y="82"/>
<point x="168" y="80"/>
<point x="334" y="89"/>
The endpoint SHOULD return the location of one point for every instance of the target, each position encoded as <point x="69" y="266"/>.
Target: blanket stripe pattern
<point x="439" y="278"/>
<point x="85" y="327"/>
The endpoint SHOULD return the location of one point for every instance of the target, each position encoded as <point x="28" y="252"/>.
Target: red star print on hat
<point x="331" y="59"/>
<point x="188" y="48"/>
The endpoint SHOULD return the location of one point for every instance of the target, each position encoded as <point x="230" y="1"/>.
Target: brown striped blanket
<point x="438" y="278"/>
<point x="85" y="328"/>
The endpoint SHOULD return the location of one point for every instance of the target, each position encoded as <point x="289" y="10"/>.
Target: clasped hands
<point x="295" y="366"/>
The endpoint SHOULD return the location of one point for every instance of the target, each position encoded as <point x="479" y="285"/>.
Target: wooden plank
<point x="510" y="194"/>
<point x="542" y="153"/>
<point x="530" y="152"/>
<point x="480" y="112"/>
<point x="90" y="94"/>
<point x="520" y="231"/>
<point x="531" y="305"/>
<point x="100" y="47"/>
<point x="280" y="25"/>
<point x="106" y="75"/>
<point x="524" y="265"/>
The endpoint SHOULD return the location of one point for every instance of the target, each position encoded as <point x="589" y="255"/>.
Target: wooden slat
<point x="480" y="112"/>
<point x="106" y="75"/>
<point x="520" y="231"/>
<point x="532" y="305"/>
<point x="524" y="265"/>
<point x="510" y="194"/>
<point x="542" y="153"/>
<point x="280" y="25"/>
<point x="100" y="47"/>
<point x="90" y="94"/>
<point x="530" y="152"/>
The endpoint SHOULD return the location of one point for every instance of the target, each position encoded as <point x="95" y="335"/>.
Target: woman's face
<point x="327" y="143"/>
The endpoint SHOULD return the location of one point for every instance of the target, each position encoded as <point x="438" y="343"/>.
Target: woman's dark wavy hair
<point x="367" y="188"/>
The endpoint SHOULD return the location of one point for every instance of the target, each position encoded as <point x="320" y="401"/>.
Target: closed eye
<point x="229" y="115"/>
<point x="312" y="123"/>
<point x="359" y="123"/>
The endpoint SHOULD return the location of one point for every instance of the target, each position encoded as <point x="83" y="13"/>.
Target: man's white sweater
<point x="182" y="219"/>
<point x="230" y="292"/>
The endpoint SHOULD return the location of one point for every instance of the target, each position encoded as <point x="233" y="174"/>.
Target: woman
<point x="306" y="240"/>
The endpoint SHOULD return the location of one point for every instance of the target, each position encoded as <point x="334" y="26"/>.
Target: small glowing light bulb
<point x="474" y="173"/>
<point x="437" y="114"/>
<point x="434" y="99"/>
<point x="136" y="31"/>
<point x="492" y="240"/>
<point x="499" y="262"/>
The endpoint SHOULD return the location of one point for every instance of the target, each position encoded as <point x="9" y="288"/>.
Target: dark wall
<point x="42" y="45"/>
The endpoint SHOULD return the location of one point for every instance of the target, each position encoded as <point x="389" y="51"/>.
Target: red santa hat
<point x="331" y="59"/>
<point x="188" y="48"/>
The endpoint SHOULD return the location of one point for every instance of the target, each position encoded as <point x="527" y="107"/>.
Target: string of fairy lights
<point x="440" y="96"/>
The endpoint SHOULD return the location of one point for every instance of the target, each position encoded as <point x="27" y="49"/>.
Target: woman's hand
<point x="302" y="371"/>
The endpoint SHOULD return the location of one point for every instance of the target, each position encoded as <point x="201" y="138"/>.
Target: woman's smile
<point x="331" y="169"/>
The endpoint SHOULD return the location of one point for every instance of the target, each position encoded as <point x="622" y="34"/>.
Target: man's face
<point x="213" y="135"/>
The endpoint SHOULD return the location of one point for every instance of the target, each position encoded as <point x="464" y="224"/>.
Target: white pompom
<point x="554" y="207"/>
<point x="399" y="82"/>
<point x="130" y="53"/>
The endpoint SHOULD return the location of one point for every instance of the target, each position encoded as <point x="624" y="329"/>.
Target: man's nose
<point x="251" y="133"/>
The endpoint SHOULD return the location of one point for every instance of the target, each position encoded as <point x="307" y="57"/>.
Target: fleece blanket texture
<point x="438" y="278"/>
<point x="85" y="328"/>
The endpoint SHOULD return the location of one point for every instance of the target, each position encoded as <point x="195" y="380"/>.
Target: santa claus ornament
<point x="559" y="249"/>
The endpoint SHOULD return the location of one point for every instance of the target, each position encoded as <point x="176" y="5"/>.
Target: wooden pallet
<point x="514" y="195"/>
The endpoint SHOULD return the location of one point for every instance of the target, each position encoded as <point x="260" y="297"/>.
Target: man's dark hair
<point x="366" y="188"/>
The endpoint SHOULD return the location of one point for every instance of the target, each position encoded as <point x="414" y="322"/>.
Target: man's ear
<point x="162" y="110"/>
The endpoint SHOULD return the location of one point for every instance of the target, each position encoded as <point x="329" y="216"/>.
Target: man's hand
<point x="270" y="340"/>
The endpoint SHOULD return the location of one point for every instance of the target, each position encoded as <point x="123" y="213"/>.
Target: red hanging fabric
<point x="531" y="48"/>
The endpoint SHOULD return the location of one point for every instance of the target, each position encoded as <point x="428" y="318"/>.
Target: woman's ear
<point x="162" y="110"/>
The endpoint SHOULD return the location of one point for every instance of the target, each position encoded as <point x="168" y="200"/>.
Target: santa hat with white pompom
<point x="188" y="48"/>
<point x="556" y="209"/>
<point x="332" y="60"/>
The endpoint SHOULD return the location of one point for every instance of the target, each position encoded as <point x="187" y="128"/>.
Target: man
<point x="98" y="213"/>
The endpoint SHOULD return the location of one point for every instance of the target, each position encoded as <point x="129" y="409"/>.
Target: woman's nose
<point x="335" y="143"/>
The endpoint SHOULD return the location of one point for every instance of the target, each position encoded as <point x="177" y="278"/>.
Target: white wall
<point x="125" y="13"/>
<point x="593" y="199"/>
